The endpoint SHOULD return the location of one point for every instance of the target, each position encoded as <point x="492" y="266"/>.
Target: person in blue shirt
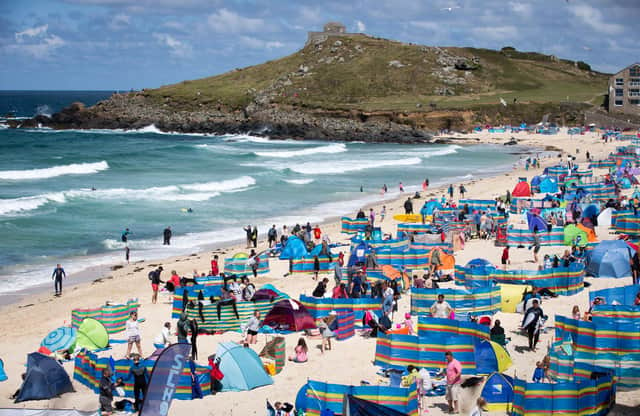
<point x="538" y="373"/>
<point x="125" y="235"/>
<point x="140" y="376"/>
<point x="58" y="274"/>
<point x="356" y="286"/>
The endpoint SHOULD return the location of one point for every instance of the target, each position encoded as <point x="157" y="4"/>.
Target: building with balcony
<point x="624" y="91"/>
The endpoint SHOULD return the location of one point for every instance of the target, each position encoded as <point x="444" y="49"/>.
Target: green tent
<point x="574" y="235"/>
<point x="92" y="335"/>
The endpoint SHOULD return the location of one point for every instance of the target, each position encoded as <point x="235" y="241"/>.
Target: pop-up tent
<point x="294" y="249"/>
<point x="536" y="222"/>
<point x="289" y="315"/>
<point x="498" y="392"/>
<point x="45" y="378"/>
<point x="521" y="190"/>
<point x="610" y="258"/>
<point x="574" y="235"/>
<point x="92" y="335"/>
<point x="3" y="374"/>
<point x="548" y="185"/>
<point x="490" y="357"/>
<point x="241" y="367"/>
<point x="359" y="254"/>
<point x="355" y="406"/>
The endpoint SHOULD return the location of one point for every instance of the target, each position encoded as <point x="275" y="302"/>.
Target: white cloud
<point x="360" y="26"/>
<point x="31" y="32"/>
<point x="523" y="9"/>
<point x="176" y="47"/>
<point x="255" y="43"/>
<point x="37" y="42"/>
<point x="593" y="17"/>
<point x="227" y="21"/>
<point x="506" y="34"/>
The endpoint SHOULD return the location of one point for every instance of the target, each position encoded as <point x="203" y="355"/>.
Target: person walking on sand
<point x="154" y="276"/>
<point x="127" y="253"/>
<point x="254" y="236"/>
<point x="133" y="333"/>
<point x="383" y="213"/>
<point x="454" y="373"/>
<point x="167" y="236"/>
<point x="58" y="274"/>
<point x="532" y="322"/>
<point x="408" y="206"/>
<point x="463" y="190"/>
<point x="450" y="191"/>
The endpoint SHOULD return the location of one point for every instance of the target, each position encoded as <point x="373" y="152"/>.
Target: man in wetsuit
<point x="140" y="377"/>
<point x="167" y="236"/>
<point x="58" y="274"/>
<point x="125" y="235"/>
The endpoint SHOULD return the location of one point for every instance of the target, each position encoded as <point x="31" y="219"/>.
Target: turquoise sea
<point x="66" y="196"/>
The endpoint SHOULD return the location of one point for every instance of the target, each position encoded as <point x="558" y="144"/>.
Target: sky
<point x="125" y="44"/>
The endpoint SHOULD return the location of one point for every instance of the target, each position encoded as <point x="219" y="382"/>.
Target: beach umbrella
<point x="60" y="339"/>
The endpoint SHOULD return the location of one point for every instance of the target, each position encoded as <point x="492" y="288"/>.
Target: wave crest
<point x="333" y="168"/>
<point x="332" y="148"/>
<point x="45" y="173"/>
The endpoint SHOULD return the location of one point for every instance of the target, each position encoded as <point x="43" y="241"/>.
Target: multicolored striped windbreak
<point x="417" y="228"/>
<point x="524" y="237"/>
<point x="612" y="343"/>
<point x="398" y="351"/>
<point x="583" y="397"/>
<point x="321" y="396"/>
<point x="476" y="301"/>
<point x="599" y="191"/>
<point x="428" y="326"/>
<point x="306" y="264"/>
<point x="602" y="164"/>
<point x="627" y="224"/>
<point x="88" y="371"/>
<point x="395" y="244"/>
<point x="192" y="294"/>
<point x="346" y="325"/>
<point x="478" y="204"/>
<point x="413" y="258"/>
<point x="563" y="280"/>
<point x="239" y="264"/>
<point x="113" y="317"/>
<point x="321" y="307"/>
<point x="353" y="226"/>
<point x="623" y="295"/>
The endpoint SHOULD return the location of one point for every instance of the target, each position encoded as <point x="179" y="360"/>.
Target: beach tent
<point x="47" y="412"/>
<point x="3" y="374"/>
<point x="392" y="273"/>
<point x="522" y="189"/>
<point x="242" y="368"/>
<point x="294" y="249"/>
<point x="574" y="235"/>
<point x="91" y="335"/>
<point x="548" y="185"/>
<point x="354" y="406"/>
<point x="610" y="258"/>
<point x="45" y="378"/>
<point x="590" y="232"/>
<point x="490" y="357"/>
<point x="590" y="210"/>
<point x="289" y="315"/>
<point x="511" y="295"/>
<point x="60" y="339"/>
<point x="536" y="222"/>
<point x="498" y="392"/>
<point x="480" y="266"/>
<point x="359" y="254"/>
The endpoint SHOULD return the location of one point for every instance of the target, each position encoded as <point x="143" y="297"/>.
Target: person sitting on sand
<point x="162" y="340"/>
<point x="300" y="352"/>
<point x="321" y="288"/>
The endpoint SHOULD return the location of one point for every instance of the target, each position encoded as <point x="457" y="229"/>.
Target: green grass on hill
<point x="355" y="73"/>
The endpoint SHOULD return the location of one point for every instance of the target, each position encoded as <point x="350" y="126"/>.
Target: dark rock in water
<point x="511" y="142"/>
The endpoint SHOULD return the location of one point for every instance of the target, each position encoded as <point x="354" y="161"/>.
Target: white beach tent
<point x="604" y="218"/>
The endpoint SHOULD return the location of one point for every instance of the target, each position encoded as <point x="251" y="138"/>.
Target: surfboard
<point x="409" y="217"/>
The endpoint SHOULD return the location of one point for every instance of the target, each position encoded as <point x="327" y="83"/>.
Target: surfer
<point x="167" y="236"/>
<point x="58" y="274"/>
<point x="532" y="322"/>
<point x="125" y="235"/>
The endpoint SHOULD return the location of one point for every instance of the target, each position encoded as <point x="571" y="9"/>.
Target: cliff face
<point x="357" y="88"/>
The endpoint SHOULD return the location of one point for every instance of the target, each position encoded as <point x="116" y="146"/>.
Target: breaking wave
<point x="73" y="169"/>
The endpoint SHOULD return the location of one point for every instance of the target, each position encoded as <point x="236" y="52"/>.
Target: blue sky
<point x="123" y="44"/>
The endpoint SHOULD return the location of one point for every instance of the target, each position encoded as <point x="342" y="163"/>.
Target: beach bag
<point x="150" y="275"/>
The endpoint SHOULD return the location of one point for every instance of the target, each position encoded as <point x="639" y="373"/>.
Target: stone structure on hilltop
<point x="331" y="29"/>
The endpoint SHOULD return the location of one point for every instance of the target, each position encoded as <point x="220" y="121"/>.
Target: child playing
<point x="409" y="323"/>
<point x="538" y="373"/>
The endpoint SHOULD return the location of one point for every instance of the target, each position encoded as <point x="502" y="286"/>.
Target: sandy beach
<point x="28" y="319"/>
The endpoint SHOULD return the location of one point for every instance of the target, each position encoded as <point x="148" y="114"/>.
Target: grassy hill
<point x="359" y="72"/>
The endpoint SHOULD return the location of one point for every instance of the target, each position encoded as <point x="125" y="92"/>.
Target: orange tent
<point x="448" y="262"/>
<point x="591" y="234"/>
<point x="393" y="274"/>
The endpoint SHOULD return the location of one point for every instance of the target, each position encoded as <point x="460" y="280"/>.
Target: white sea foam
<point x="332" y="168"/>
<point x="73" y="169"/>
<point x="449" y="150"/>
<point x="299" y="181"/>
<point x="332" y="148"/>
<point x="186" y="192"/>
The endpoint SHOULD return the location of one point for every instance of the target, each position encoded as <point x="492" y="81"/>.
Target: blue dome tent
<point x="610" y="258"/>
<point x="498" y="392"/>
<point x="549" y="185"/>
<point x="45" y="378"/>
<point x="294" y="249"/>
<point x="241" y="367"/>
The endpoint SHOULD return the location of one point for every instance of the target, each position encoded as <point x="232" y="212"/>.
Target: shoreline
<point x="92" y="273"/>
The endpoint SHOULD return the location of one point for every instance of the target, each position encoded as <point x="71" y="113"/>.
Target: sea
<point x="67" y="196"/>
